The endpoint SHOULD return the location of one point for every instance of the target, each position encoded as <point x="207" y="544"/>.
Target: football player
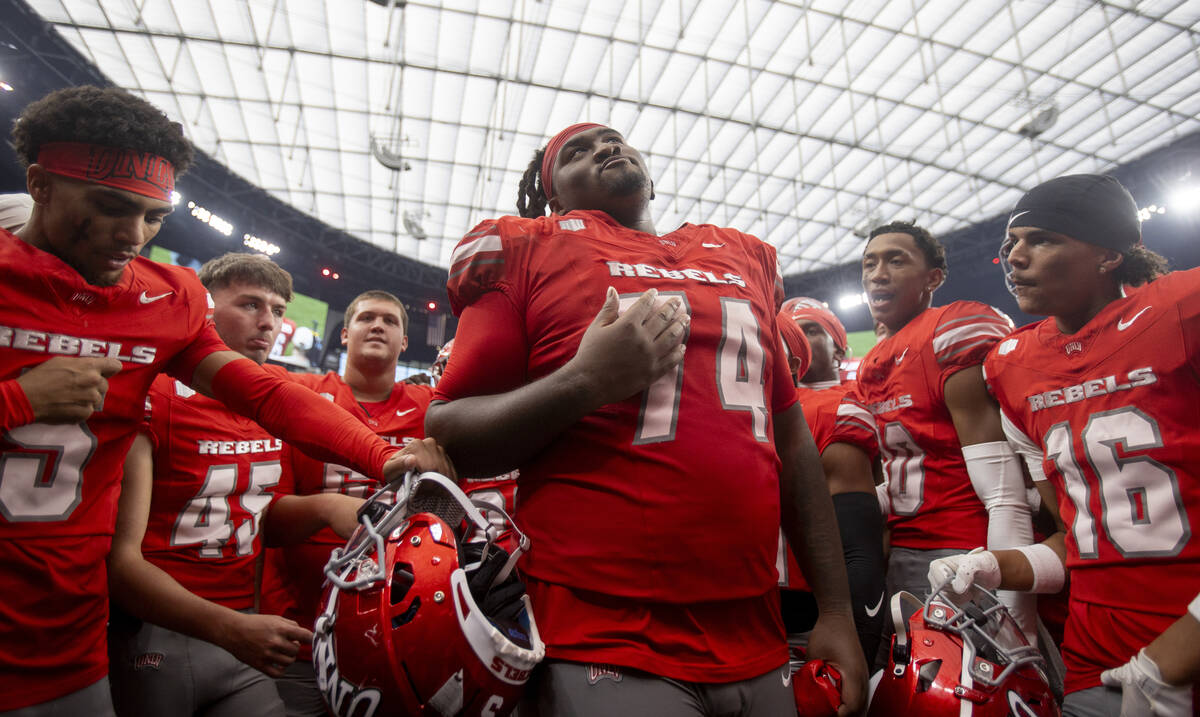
<point x="844" y="432"/>
<point x="85" y="326"/>
<point x="197" y="484"/>
<point x="651" y="481"/>
<point x="1100" y="398"/>
<point x="953" y="483"/>
<point x="375" y="333"/>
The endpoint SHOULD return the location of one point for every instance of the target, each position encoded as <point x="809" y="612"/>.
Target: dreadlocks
<point x="531" y="197"/>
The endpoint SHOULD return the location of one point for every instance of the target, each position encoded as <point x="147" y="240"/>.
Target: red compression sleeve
<point x="300" y="417"/>
<point x="15" y="409"/>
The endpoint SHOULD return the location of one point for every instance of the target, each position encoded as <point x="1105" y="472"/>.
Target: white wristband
<point x="1049" y="573"/>
<point x="1194" y="608"/>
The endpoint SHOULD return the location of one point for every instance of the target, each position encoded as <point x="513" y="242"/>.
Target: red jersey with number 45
<point x="293" y="574"/>
<point x="215" y="473"/>
<point x="1110" y="415"/>
<point x="902" y="381"/>
<point x="834" y="415"/>
<point x="59" y="483"/>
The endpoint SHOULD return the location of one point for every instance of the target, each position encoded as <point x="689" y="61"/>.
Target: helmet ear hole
<point x="402" y="580"/>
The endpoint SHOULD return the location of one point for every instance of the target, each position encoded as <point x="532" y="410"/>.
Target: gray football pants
<point x="93" y="700"/>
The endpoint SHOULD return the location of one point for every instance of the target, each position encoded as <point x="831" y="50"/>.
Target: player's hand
<point x="961" y="572"/>
<point x="265" y="642"/>
<point x="1143" y="691"/>
<point x="835" y="640"/>
<point x="623" y="353"/>
<point x="67" y="389"/>
<point x="421" y="456"/>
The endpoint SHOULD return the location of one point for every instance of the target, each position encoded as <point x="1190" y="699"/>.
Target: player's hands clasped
<point x="421" y="456"/>
<point x="67" y="389"/>
<point x="978" y="567"/>
<point x="265" y="642"/>
<point x="1143" y="691"/>
<point x="622" y="353"/>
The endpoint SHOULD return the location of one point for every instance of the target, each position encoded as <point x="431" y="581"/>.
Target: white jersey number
<point x="739" y="373"/>
<point x="42" y="479"/>
<point x="206" y="520"/>
<point x="1141" y="507"/>
<point x="904" y="464"/>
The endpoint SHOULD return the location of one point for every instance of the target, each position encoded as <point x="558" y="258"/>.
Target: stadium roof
<point x="803" y="122"/>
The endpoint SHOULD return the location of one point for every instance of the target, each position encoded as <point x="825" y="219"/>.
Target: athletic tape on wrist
<point x="1049" y="573"/>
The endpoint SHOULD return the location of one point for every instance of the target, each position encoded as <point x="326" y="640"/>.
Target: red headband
<point x="138" y="172"/>
<point x="554" y="146"/>
<point x="805" y="309"/>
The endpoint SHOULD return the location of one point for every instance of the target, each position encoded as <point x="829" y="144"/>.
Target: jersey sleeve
<point x="487" y="260"/>
<point x="856" y="426"/>
<point x="965" y="332"/>
<point x="490" y="351"/>
<point x="783" y="390"/>
<point x="1187" y="299"/>
<point x="157" y="416"/>
<point x="1024" y="446"/>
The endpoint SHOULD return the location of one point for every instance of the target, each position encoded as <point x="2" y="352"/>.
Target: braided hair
<point x="531" y="197"/>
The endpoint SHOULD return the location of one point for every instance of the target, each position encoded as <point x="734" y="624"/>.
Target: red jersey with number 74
<point x="215" y="472"/>
<point x="1110" y="416"/>
<point x="902" y="381"/>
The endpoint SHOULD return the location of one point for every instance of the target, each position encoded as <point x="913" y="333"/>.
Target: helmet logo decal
<point x="344" y="698"/>
<point x="1018" y="707"/>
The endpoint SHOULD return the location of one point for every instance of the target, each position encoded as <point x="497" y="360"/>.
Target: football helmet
<point x="417" y="621"/>
<point x="816" y="684"/>
<point x="439" y="363"/>
<point x="966" y="658"/>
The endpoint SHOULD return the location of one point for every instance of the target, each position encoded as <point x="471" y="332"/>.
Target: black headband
<point x="1092" y="208"/>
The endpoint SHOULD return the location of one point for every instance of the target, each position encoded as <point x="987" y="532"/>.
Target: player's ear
<point x="345" y="336"/>
<point x="39" y="183"/>
<point x="404" y="344"/>
<point x="937" y="277"/>
<point x="1110" y="260"/>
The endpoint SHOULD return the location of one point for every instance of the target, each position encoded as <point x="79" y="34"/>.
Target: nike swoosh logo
<point x="1018" y="215"/>
<point x="873" y="611"/>
<point x="1122" y="324"/>
<point x="786" y="676"/>
<point x="145" y="299"/>
<point x="405" y="413"/>
<point x="706" y="245"/>
<point x="902" y="355"/>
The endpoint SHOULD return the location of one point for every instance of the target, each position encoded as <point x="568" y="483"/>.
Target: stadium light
<point x="849" y="301"/>
<point x="1185" y="199"/>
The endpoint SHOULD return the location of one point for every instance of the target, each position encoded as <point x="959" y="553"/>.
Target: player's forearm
<point x="147" y="592"/>
<point x="1177" y="650"/>
<point x="807" y="512"/>
<point x="294" y="518"/>
<point x="489" y="435"/>
<point x="1016" y="571"/>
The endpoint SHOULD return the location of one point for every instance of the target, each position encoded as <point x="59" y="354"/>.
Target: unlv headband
<point x="554" y="146"/>
<point x="139" y="172"/>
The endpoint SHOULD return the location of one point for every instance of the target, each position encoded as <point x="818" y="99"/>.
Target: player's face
<point x="1056" y="275"/>
<point x="375" y="334"/>
<point x="596" y="167"/>
<point x="248" y="318"/>
<point x="825" y="354"/>
<point x="95" y="229"/>
<point x="897" y="279"/>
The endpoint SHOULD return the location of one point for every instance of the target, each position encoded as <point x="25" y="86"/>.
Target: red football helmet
<point x="439" y="363"/>
<point x="816" y="684"/>
<point x="952" y="660"/>
<point x="417" y="621"/>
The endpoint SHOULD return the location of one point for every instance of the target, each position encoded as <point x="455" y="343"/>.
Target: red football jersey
<point x="293" y="574"/>
<point x="500" y="491"/>
<point x="834" y="415"/>
<point x="1109" y="416"/>
<point x="215" y="473"/>
<point x="670" y="496"/>
<point x="59" y="483"/>
<point x="901" y="380"/>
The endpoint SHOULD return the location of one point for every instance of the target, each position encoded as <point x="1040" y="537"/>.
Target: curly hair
<point x="106" y="116"/>
<point x="531" y="197"/>
<point x="1140" y="266"/>
<point x="935" y="253"/>
<point x="380" y="295"/>
<point x="253" y="269"/>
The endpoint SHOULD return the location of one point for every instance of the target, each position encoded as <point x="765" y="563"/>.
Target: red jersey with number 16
<point x="215" y="472"/>
<point x="902" y="381"/>
<point x="293" y="575"/>
<point x="1110" y="416"/>
<point x="59" y="483"/>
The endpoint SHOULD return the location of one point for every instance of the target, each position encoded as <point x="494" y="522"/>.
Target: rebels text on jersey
<point x="293" y="575"/>
<point x="834" y="415"/>
<point x="215" y="473"/>
<point x="1109" y="416"/>
<point x="687" y="465"/>
<point x="59" y="483"/>
<point x="902" y="381"/>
